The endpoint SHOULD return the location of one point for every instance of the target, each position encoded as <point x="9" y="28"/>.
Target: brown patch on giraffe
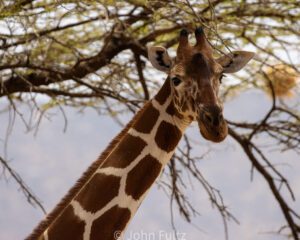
<point x="44" y="224"/>
<point x="164" y="92"/>
<point x="172" y="111"/>
<point x="67" y="226"/>
<point x="142" y="176"/>
<point x="191" y="118"/>
<point x="167" y="136"/>
<point x="147" y="119"/>
<point x="112" y="221"/>
<point x="100" y="190"/>
<point x="126" y="152"/>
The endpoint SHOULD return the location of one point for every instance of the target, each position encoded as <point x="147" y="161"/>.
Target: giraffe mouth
<point x="211" y="132"/>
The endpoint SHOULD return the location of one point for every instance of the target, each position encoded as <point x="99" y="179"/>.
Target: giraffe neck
<point x="110" y="198"/>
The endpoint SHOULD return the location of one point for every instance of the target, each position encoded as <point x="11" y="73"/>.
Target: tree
<point x="87" y="54"/>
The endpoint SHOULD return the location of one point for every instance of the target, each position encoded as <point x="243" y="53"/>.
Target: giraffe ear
<point x="159" y="58"/>
<point x="235" y="61"/>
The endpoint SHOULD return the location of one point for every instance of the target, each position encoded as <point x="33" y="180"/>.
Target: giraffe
<point x="101" y="204"/>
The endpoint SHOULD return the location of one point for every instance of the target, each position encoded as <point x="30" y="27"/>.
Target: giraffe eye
<point x="176" y="81"/>
<point x="221" y="77"/>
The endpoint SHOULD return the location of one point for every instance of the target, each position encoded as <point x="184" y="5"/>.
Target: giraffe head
<point x="195" y="77"/>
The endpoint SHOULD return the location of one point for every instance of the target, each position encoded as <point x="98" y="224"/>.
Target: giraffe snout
<point x="214" y="119"/>
<point x="212" y="124"/>
<point x="212" y="116"/>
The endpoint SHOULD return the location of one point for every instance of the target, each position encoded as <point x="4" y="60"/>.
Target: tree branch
<point x="31" y="198"/>
<point x="245" y="144"/>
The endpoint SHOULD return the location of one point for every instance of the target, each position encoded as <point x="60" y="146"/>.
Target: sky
<point x="53" y="160"/>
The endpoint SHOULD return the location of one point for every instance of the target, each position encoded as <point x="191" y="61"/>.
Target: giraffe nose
<point x="213" y="116"/>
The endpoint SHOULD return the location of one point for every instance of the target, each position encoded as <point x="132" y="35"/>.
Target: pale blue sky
<point x="52" y="161"/>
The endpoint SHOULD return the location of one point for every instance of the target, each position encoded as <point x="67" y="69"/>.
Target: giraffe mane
<point x="44" y="224"/>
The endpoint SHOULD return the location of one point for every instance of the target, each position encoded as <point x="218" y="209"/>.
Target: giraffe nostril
<point x="208" y="118"/>
<point x="213" y="118"/>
